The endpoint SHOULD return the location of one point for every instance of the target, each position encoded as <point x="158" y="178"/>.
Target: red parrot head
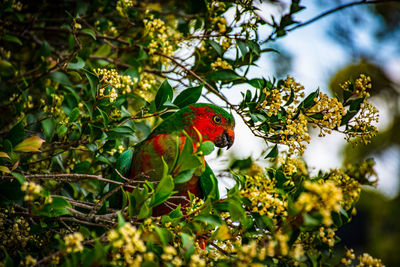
<point x="213" y="123"/>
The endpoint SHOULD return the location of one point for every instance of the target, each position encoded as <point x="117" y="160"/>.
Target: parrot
<point x="196" y="122"/>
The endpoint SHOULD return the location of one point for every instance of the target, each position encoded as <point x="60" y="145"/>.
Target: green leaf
<point x="164" y="189"/>
<point x="235" y="210"/>
<point x="4" y="169"/>
<point x="224" y="76"/>
<point x="311" y="221"/>
<point x="48" y="126"/>
<point x="31" y="144"/>
<point x="176" y="213"/>
<point x="74" y="115"/>
<point x="16" y="134"/>
<point x="7" y="261"/>
<point x="206" y="147"/>
<point x="60" y="78"/>
<point x="187" y="160"/>
<point x="21" y="178"/>
<point x="273" y="153"/>
<point x="243" y="48"/>
<point x="103" y="51"/>
<point x="210" y="219"/>
<point x="257" y="83"/>
<point x="4" y="155"/>
<point x="184" y="176"/>
<point x="188" y="245"/>
<point x="104" y="115"/>
<point x="280" y="179"/>
<point x="61" y="129"/>
<point x="90" y="32"/>
<point x="145" y="211"/>
<point x="78" y="65"/>
<point x="120" y="132"/>
<point x="356" y="104"/>
<point x="209" y="183"/>
<point x="45" y="49"/>
<point x="309" y="101"/>
<point x="216" y="47"/>
<point x="11" y="38"/>
<point x="164" y="234"/>
<point x="57" y="207"/>
<point x="121" y="220"/>
<point x="164" y="93"/>
<point x="188" y="96"/>
<point x="93" y="82"/>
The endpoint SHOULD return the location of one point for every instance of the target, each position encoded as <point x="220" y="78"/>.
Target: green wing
<point x="123" y="164"/>
<point x="209" y="184"/>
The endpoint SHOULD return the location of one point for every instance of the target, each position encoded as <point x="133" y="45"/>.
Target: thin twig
<point x="333" y="10"/>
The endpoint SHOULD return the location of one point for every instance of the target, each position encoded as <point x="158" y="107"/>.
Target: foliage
<point x="81" y="83"/>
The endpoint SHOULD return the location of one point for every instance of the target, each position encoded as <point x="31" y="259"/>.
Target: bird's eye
<point x="217" y="119"/>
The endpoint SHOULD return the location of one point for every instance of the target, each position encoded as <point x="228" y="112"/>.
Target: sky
<point x="316" y="57"/>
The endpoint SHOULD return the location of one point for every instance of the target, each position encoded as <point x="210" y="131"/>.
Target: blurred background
<point x="363" y="38"/>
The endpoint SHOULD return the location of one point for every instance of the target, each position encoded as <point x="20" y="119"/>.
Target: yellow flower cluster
<point x="361" y="85"/>
<point x="129" y="245"/>
<point x="273" y="101"/>
<point x="250" y="251"/>
<point x="194" y="206"/>
<point x="123" y="5"/>
<point x="215" y="8"/>
<point x="331" y="110"/>
<point x="146" y="83"/>
<point x="349" y="257"/>
<point x="274" y="98"/>
<point x="73" y="242"/>
<point x="15" y="232"/>
<point x="111" y="78"/>
<point x="197" y="261"/>
<point x="327" y="236"/>
<point x="292" y="165"/>
<point x="170" y="254"/>
<point x="264" y="197"/>
<point x="221" y="64"/>
<point x="29" y="261"/>
<point x="161" y="40"/>
<point x="322" y="197"/>
<point x="17" y="5"/>
<point x="29" y="102"/>
<point x="351" y="188"/>
<point x="226" y="43"/>
<point x="366" y="260"/>
<point x="296" y="133"/>
<point x="55" y="107"/>
<point x="362" y="124"/>
<point x="32" y="189"/>
<point x="290" y="85"/>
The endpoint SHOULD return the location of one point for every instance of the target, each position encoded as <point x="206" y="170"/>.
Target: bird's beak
<point x="226" y="139"/>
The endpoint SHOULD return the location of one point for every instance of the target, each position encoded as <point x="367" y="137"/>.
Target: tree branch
<point x="333" y="10"/>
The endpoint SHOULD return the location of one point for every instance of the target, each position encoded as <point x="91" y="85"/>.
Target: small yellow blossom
<point x="128" y="245"/>
<point x="325" y="198"/>
<point x="123" y="5"/>
<point x="221" y="64"/>
<point x="30" y="261"/>
<point x="32" y="189"/>
<point x="367" y="260"/>
<point x="264" y="197"/>
<point x="73" y="242"/>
